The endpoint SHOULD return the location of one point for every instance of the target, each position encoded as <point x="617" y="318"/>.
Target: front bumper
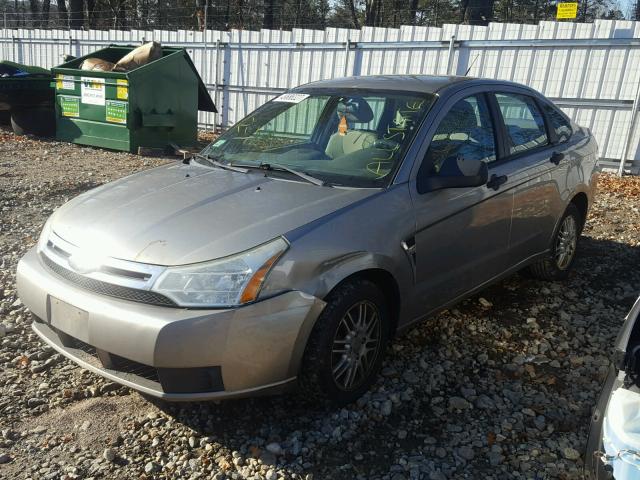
<point x="240" y="352"/>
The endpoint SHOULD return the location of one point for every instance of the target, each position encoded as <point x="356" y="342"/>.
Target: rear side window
<point x="465" y="133"/>
<point x="558" y="122"/>
<point x="523" y="120"/>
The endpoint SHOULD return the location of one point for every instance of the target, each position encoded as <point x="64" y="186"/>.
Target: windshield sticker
<point x="220" y="142"/>
<point x="116" y="112"/>
<point x="92" y="91"/>
<point x="291" y="97"/>
<point x="70" y="106"/>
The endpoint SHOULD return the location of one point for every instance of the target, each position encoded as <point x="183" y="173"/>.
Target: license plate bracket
<point x="69" y="319"/>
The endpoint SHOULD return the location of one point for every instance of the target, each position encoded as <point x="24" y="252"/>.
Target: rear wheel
<point x="346" y="347"/>
<point x="563" y="249"/>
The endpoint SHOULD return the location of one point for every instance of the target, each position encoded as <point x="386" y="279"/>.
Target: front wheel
<point x="345" y="349"/>
<point x="563" y="249"/>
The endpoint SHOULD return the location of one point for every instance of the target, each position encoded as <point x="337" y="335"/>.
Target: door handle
<point x="495" y="181"/>
<point x="556" y="158"/>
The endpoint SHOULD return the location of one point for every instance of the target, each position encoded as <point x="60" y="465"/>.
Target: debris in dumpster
<point x="97" y="64"/>
<point x="138" y="57"/>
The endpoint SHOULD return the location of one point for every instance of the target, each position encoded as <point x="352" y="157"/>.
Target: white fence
<point x="592" y="71"/>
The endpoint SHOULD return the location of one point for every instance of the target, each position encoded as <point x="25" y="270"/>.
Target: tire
<point x="38" y="121"/>
<point x="317" y="379"/>
<point x="5" y="117"/>
<point x="557" y="266"/>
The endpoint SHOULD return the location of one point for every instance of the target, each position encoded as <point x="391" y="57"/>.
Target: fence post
<point x="70" y="44"/>
<point x="630" y="131"/>
<point x="15" y="49"/>
<point x="216" y="76"/>
<point x="450" y="58"/>
<point x="463" y="65"/>
<point x="357" y="59"/>
<point x="226" y="74"/>
<point x="205" y="52"/>
<point x="346" y="56"/>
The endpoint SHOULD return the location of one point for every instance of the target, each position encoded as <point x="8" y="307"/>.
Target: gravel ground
<point x="500" y="387"/>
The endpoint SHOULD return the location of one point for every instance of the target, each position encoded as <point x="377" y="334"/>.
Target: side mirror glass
<point x="467" y="173"/>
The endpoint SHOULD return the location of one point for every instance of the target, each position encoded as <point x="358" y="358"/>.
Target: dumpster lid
<point x="29" y="69"/>
<point x="205" y="103"/>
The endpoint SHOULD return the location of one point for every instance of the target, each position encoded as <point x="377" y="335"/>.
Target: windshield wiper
<point x="276" y="166"/>
<point x="219" y="164"/>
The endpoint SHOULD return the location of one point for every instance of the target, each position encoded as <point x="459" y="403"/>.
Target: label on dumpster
<point x="291" y="97"/>
<point x="116" y="112"/>
<point x="92" y="91"/>
<point x="567" y="10"/>
<point x="122" y="89"/>
<point x="70" y="106"/>
<point x="65" y="82"/>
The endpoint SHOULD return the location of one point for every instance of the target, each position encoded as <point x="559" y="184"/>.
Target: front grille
<point x="104" y="288"/>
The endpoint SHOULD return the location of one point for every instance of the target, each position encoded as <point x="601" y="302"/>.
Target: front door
<point x="462" y="234"/>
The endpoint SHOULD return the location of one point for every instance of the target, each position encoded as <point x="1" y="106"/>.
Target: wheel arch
<point x="387" y="284"/>
<point x="581" y="201"/>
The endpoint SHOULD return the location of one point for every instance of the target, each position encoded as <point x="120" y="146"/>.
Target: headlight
<point x="225" y="282"/>
<point x="44" y="236"/>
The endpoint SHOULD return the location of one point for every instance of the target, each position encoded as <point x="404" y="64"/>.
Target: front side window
<point x="523" y="121"/>
<point x="353" y="138"/>
<point x="464" y="134"/>
<point x="558" y="122"/>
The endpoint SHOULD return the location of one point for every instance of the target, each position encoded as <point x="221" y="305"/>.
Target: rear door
<point x="539" y="163"/>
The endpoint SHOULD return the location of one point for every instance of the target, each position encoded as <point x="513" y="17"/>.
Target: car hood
<point x="180" y="214"/>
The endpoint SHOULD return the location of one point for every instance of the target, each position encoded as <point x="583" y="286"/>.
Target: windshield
<point x="353" y="138"/>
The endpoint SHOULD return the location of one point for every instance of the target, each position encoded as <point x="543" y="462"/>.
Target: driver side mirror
<point x="429" y="182"/>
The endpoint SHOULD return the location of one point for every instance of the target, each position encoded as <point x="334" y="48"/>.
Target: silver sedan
<point x="295" y="246"/>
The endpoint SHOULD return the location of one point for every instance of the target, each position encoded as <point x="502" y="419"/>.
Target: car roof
<point x="407" y="83"/>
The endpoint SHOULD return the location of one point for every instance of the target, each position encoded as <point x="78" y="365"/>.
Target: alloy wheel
<point x="356" y="345"/>
<point x="566" y="242"/>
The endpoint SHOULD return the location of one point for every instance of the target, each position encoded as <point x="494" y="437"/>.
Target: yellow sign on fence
<point x="567" y="10"/>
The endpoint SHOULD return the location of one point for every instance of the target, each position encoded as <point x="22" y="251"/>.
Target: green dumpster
<point x="151" y="106"/>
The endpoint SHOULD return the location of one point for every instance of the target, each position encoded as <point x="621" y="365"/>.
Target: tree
<point x="62" y="11"/>
<point x="269" y="12"/>
<point x="76" y="13"/>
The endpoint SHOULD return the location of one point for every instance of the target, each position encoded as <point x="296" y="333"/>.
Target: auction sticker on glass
<point x="291" y="97"/>
<point x="116" y="112"/>
<point x="92" y="91"/>
<point x="70" y="106"/>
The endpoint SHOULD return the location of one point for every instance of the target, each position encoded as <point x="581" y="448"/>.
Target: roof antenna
<point x="469" y="69"/>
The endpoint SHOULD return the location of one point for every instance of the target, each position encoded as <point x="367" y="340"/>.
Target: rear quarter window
<point x="558" y="122"/>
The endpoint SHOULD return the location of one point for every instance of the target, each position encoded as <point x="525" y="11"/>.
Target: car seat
<point x="459" y="138"/>
<point x="354" y="110"/>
